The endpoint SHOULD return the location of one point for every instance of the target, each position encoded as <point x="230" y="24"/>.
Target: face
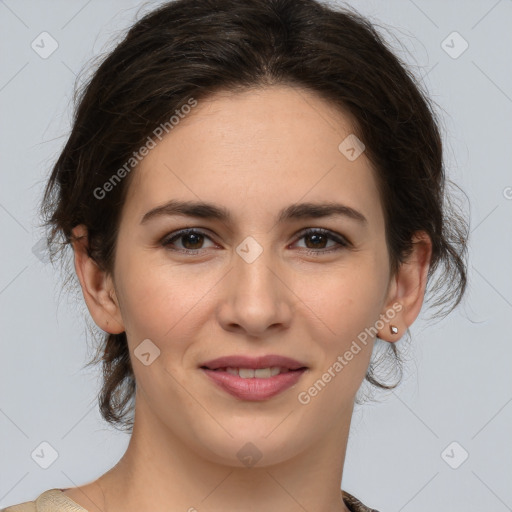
<point x="253" y="283"/>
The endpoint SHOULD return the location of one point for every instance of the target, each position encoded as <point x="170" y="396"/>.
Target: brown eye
<point x="316" y="240"/>
<point x="190" y="240"/>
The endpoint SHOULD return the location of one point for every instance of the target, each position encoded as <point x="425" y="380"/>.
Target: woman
<point x="254" y="193"/>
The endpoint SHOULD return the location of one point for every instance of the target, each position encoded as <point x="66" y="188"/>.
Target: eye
<point x="191" y="240"/>
<point x="318" y="237"/>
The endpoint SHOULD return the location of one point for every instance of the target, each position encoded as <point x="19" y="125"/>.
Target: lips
<point x="254" y="378"/>
<point x="254" y="363"/>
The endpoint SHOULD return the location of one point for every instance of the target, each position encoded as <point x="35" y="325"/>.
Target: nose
<point x="256" y="299"/>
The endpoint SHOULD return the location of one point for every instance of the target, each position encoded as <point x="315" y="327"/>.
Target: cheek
<point x="163" y="302"/>
<point x="156" y="308"/>
<point x="349" y="306"/>
<point x="343" y="306"/>
<point x="345" y="299"/>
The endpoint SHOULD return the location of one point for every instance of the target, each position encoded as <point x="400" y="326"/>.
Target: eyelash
<point x="343" y="243"/>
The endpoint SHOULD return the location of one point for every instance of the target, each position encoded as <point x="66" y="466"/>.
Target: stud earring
<point x="393" y="329"/>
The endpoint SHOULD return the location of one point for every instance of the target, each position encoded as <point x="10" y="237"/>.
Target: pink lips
<point x="254" y="389"/>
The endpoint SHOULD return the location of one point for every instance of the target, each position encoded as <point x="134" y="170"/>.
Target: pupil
<point x="198" y="240"/>
<point x="317" y="237"/>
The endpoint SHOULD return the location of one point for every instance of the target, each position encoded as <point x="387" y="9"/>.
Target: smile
<point x="254" y="384"/>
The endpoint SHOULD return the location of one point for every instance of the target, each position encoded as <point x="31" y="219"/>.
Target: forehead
<point x="256" y="150"/>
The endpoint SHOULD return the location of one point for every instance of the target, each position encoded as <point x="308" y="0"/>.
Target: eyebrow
<point x="292" y="212"/>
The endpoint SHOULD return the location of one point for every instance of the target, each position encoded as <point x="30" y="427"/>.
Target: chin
<point x="250" y="444"/>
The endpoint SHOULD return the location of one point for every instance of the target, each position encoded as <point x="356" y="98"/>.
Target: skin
<point x="253" y="153"/>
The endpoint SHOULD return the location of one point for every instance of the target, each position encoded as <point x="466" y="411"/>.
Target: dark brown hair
<point x="194" y="48"/>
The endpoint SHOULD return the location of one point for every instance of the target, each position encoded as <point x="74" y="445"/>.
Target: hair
<point x="194" y="48"/>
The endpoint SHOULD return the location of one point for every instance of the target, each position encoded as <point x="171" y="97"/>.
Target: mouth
<point x="254" y="379"/>
<point x="254" y="373"/>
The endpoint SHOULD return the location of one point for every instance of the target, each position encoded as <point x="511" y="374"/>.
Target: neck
<point x="159" y="472"/>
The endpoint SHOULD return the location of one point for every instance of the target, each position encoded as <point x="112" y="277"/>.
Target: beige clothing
<point x="54" y="500"/>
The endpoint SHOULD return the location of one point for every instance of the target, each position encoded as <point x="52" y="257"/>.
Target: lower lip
<point x="255" y="388"/>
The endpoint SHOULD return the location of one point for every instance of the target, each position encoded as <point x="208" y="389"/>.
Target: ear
<point x="97" y="285"/>
<point x="407" y="289"/>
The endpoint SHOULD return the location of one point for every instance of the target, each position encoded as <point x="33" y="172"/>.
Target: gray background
<point x="458" y="384"/>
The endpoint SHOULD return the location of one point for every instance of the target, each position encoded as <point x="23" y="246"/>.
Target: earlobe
<point x="393" y="325"/>
<point x="97" y="285"/>
<point x="407" y="289"/>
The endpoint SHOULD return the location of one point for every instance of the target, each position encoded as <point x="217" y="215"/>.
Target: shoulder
<point x="52" y="500"/>
<point x="27" y="506"/>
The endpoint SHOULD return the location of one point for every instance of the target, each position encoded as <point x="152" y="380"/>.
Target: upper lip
<point x="266" y="361"/>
